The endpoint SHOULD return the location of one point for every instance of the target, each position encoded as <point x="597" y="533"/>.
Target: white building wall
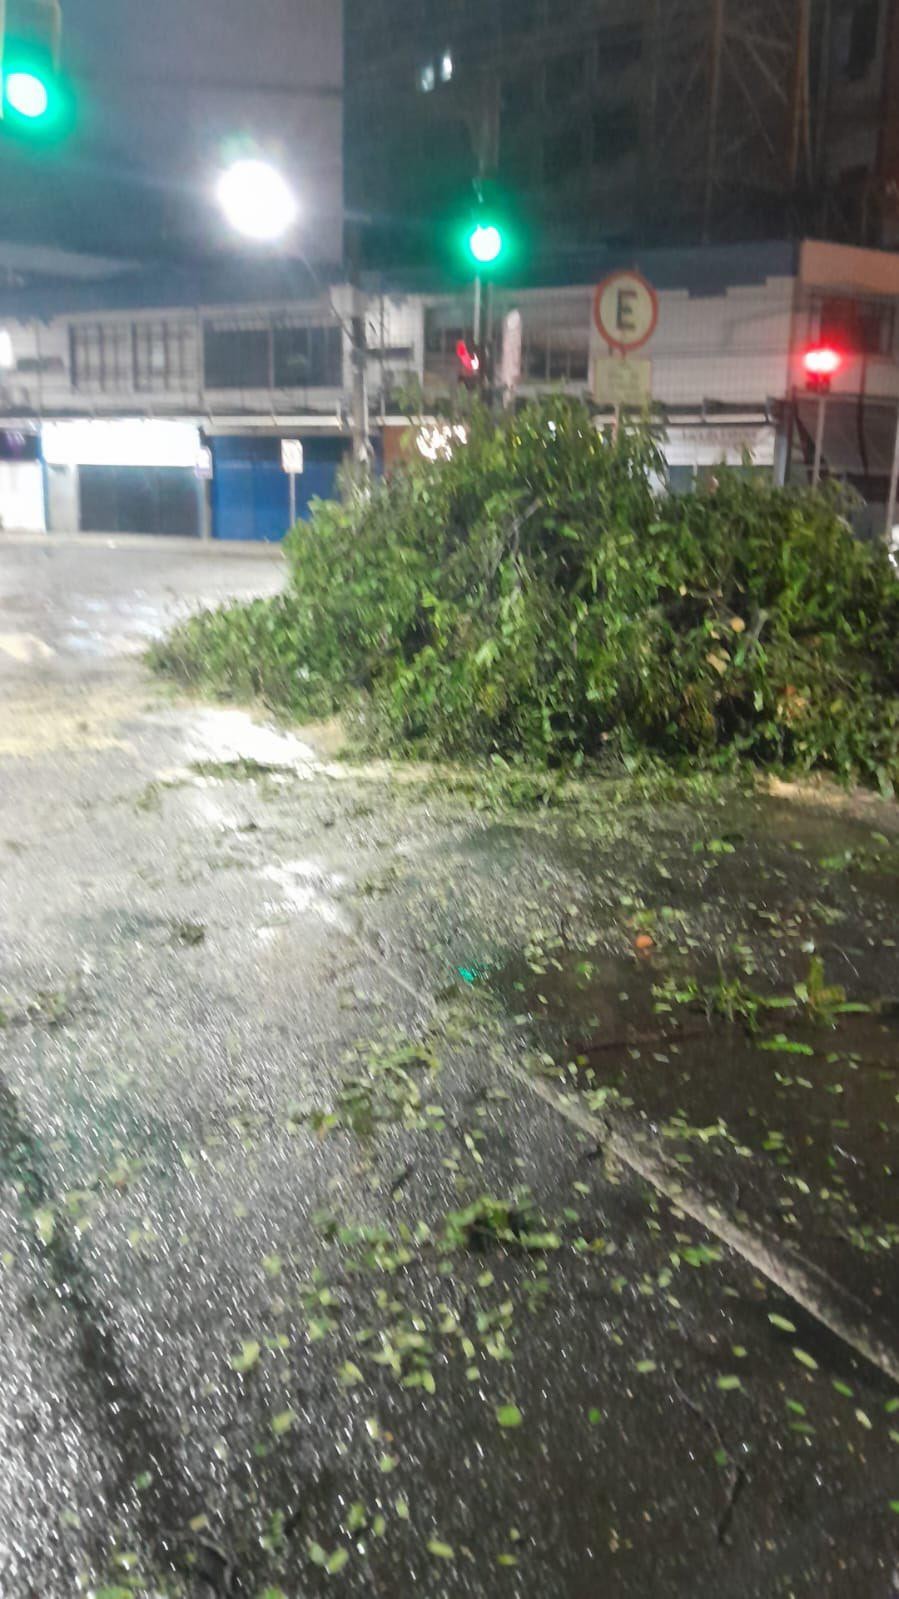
<point x="739" y="348"/>
<point x="22" y="496"/>
<point x="395" y="337"/>
<point x="63" y="500"/>
<point x="732" y="348"/>
<point x="39" y="378"/>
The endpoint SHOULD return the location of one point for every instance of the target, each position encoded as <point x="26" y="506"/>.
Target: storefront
<point x="251" y="493"/>
<point x="124" y="476"/>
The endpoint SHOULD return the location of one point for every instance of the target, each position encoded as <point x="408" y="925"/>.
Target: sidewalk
<point x="149" y="541"/>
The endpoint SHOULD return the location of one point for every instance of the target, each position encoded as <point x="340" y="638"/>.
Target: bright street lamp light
<point x="257" y="201"/>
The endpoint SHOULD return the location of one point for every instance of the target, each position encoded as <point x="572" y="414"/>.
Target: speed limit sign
<point x="626" y="311"/>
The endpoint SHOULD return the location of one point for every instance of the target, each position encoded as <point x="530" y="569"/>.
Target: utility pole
<point x="822" y="362"/>
<point x="894" y="483"/>
<point x="819" y="438"/>
<point x="359" y="421"/>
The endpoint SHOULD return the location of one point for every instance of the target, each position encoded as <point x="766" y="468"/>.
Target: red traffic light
<point x="469" y="360"/>
<point x="822" y="362"/>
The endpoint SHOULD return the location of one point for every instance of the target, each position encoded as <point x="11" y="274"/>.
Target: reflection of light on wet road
<point x="25" y="647"/>
<point x="305" y="888"/>
<point x="206" y="808"/>
<point x="226" y="735"/>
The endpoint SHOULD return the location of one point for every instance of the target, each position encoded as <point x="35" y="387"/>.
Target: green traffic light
<point x="37" y="103"/>
<point x="485" y="243"/>
<point x="27" y="95"/>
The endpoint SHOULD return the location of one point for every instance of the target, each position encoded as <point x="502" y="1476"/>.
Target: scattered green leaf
<point x="249" y="1354"/>
<point x="509" y="1416"/>
<point x="443" y="1551"/>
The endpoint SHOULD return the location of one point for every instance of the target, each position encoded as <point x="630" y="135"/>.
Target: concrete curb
<point x="806" y="1283"/>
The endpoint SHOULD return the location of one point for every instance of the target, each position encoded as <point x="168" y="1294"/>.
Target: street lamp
<point x="257" y="201"/>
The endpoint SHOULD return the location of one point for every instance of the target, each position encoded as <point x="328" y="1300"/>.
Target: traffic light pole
<point x="359" y="421"/>
<point x="894" y="482"/>
<point x="819" y="439"/>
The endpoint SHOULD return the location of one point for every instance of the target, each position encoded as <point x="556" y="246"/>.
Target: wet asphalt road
<point x="263" y="1333"/>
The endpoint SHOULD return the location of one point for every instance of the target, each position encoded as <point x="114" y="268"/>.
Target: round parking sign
<point x="626" y="309"/>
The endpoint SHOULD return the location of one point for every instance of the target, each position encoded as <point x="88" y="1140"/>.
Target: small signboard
<point x="292" y="457"/>
<point x="510" y="365"/>
<point x="626" y="311"/>
<point x="617" y="382"/>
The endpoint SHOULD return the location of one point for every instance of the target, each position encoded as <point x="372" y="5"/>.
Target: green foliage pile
<point x="539" y="596"/>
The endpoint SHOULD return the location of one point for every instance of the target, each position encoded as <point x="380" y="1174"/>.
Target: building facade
<point x="122" y="416"/>
<point x="631" y="121"/>
<point x="116" y="417"/>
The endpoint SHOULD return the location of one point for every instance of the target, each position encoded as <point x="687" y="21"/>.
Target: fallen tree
<point x="538" y="596"/>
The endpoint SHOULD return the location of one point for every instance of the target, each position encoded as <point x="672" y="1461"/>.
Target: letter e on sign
<point x="626" y="310"/>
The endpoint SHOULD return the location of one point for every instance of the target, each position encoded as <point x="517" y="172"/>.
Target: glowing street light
<point x="257" y="201"/>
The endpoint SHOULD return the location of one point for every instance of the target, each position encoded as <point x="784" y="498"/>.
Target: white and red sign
<point x="626" y="311"/>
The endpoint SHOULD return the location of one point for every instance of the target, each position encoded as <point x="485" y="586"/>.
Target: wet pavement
<point x="300" y="1289"/>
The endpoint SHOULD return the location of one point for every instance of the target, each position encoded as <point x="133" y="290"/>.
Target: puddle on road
<point x="791" y="1116"/>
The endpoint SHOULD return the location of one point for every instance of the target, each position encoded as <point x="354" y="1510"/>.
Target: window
<point x="863" y="326"/>
<point x="616" y="133"/>
<point x="308" y="358"/>
<point x="285" y="356"/>
<point x="101" y="356"/>
<point x="442" y="341"/>
<point x="619" y="49"/>
<point x="562" y="155"/>
<point x="520" y="97"/>
<point x="237" y="358"/>
<point x="31" y="365"/>
<point x="681" y="479"/>
<point x="517" y="16"/>
<point x="163" y="356"/>
<point x="564" y="77"/>
<point x="857" y="45"/>
<point x="555" y="357"/>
